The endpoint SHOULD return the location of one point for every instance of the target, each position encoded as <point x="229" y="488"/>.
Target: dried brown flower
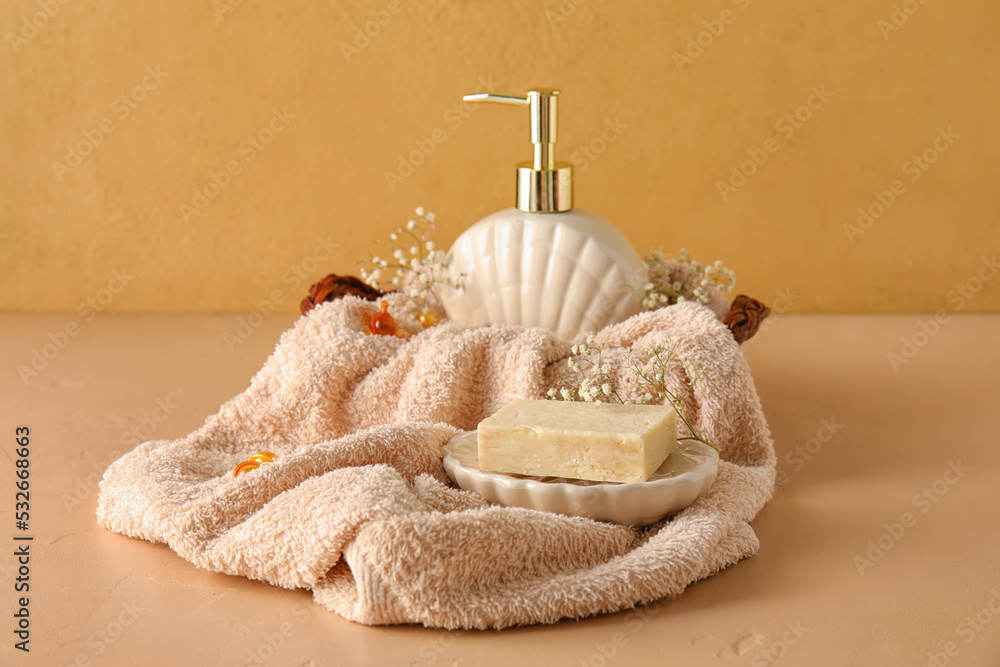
<point x="745" y="317"/>
<point x="336" y="287"/>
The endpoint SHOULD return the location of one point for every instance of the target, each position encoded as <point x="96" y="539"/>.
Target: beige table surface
<point x="860" y="445"/>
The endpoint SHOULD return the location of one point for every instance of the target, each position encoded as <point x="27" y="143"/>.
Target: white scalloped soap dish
<point x="687" y="473"/>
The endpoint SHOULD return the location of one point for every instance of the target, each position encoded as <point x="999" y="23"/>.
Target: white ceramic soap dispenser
<point x="543" y="263"/>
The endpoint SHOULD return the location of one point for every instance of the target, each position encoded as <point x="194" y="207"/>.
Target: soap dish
<point x="687" y="473"/>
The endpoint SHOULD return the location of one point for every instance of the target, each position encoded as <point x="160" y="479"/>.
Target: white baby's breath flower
<point x="551" y="392"/>
<point x="606" y="388"/>
<point x="430" y="216"/>
<point x="414" y="250"/>
<point x="606" y="368"/>
<point x="410" y="225"/>
<point x="398" y="254"/>
<point x="591" y="340"/>
<point x="566" y="395"/>
<point x="393" y="236"/>
<point x="429" y="245"/>
<point x="419" y="211"/>
<point x="575" y="349"/>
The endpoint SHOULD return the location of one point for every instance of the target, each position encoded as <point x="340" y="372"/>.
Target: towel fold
<point x="358" y="507"/>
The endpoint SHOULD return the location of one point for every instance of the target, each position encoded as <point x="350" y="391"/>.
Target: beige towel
<point x="358" y="507"/>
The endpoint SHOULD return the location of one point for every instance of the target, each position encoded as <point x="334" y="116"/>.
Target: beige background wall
<point x="164" y="95"/>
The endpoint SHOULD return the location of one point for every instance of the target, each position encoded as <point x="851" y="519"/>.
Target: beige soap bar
<point x="598" y="442"/>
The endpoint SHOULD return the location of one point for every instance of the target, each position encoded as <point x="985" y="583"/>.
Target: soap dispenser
<point x="543" y="263"/>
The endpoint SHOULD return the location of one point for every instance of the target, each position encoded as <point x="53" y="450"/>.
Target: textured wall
<point x="116" y="116"/>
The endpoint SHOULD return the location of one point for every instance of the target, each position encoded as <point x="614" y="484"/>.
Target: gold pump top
<point x="543" y="185"/>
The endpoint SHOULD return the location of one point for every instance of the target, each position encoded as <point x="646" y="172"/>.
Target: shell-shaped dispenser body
<point x="543" y="263"/>
<point x="571" y="272"/>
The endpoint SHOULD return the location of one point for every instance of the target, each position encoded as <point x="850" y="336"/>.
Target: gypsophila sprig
<point x="672" y="281"/>
<point x="598" y="384"/>
<point x="416" y="265"/>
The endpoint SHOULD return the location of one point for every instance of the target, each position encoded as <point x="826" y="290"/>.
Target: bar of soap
<point x="597" y="442"/>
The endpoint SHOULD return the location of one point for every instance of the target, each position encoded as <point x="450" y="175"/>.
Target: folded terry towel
<point x="358" y="507"/>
